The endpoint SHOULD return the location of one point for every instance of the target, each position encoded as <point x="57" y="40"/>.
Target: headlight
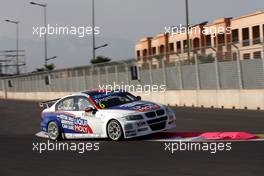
<point x="170" y="113"/>
<point x="169" y="110"/>
<point x="134" y="117"/>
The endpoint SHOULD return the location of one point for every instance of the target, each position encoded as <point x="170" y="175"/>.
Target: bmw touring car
<point x="104" y="114"/>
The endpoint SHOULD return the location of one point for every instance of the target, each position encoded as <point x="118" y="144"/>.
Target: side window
<point x="66" y="105"/>
<point x="83" y="103"/>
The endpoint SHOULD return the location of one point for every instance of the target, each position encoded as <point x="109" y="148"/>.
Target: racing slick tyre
<point x="54" y="131"/>
<point x="114" y="130"/>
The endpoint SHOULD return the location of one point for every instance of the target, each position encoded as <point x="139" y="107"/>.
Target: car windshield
<point x="111" y="99"/>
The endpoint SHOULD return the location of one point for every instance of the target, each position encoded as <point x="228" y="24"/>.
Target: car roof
<point x="91" y="93"/>
<point x="96" y="92"/>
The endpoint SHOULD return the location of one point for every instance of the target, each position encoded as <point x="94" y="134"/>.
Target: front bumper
<point x="149" y="126"/>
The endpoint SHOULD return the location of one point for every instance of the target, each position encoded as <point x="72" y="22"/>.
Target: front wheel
<point x="53" y="131"/>
<point x="114" y="130"/>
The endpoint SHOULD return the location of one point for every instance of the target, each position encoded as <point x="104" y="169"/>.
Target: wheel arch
<point x="105" y="128"/>
<point x="56" y="120"/>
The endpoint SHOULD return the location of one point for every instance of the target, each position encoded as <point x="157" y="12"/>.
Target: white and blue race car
<point x="104" y="114"/>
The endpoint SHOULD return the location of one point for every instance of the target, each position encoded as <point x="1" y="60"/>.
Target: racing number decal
<point x="102" y="105"/>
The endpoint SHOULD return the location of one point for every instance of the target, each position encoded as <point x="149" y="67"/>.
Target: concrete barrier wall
<point x="35" y="96"/>
<point x="2" y="94"/>
<point x="239" y="99"/>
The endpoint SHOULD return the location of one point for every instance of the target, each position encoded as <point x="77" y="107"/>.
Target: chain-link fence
<point x="200" y="71"/>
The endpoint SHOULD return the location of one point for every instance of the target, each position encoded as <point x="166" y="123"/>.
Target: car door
<point x="66" y="112"/>
<point x="89" y="124"/>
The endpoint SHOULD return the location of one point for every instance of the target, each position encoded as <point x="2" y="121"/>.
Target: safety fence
<point x="198" y="72"/>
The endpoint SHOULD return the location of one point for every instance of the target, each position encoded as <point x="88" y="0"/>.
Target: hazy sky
<point x="121" y="22"/>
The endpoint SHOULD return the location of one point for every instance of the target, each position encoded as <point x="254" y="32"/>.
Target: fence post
<point x="150" y="72"/>
<point x="106" y="74"/>
<point x="198" y="85"/>
<point x="4" y="88"/>
<point x="164" y="72"/>
<point x="217" y="76"/>
<point x="69" y="83"/>
<point x="99" y="74"/>
<point x="218" y="86"/>
<point x="116" y="74"/>
<point x="91" y="77"/>
<point x="127" y="72"/>
<point x="178" y="65"/>
<point x="263" y="49"/>
<point x="262" y="59"/>
<point x="84" y="77"/>
<point x="238" y="63"/>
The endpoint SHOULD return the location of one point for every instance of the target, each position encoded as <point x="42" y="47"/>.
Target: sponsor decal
<point x="82" y="126"/>
<point x="75" y="123"/>
<point x="104" y="94"/>
<point x="67" y="121"/>
<point x="148" y="107"/>
<point x="141" y="107"/>
<point x="102" y="101"/>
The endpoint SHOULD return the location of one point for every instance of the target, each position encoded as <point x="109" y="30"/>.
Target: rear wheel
<point x="114" y="130"/>
<point x="54" y="131"/>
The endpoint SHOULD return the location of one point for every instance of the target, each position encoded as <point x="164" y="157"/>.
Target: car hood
<point x="129" y="109"/>
<point x="137" y="106"/>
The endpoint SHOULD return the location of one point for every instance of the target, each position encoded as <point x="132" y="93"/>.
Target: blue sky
<point x="121" y="22"/>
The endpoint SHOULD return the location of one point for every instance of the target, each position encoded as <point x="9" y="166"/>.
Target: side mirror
<point x="138" y="98"/>
<point x="89" y="109"/>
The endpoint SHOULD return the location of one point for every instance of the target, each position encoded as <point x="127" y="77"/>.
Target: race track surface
<point x="20" y="122"/>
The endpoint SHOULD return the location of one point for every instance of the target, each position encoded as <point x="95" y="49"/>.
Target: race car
<point x="104" y="114"/>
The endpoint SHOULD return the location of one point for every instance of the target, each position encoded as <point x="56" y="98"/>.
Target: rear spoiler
<point x="48" y="104"/>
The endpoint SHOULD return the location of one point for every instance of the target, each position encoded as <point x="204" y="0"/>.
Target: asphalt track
<point x="20" y="122"/>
